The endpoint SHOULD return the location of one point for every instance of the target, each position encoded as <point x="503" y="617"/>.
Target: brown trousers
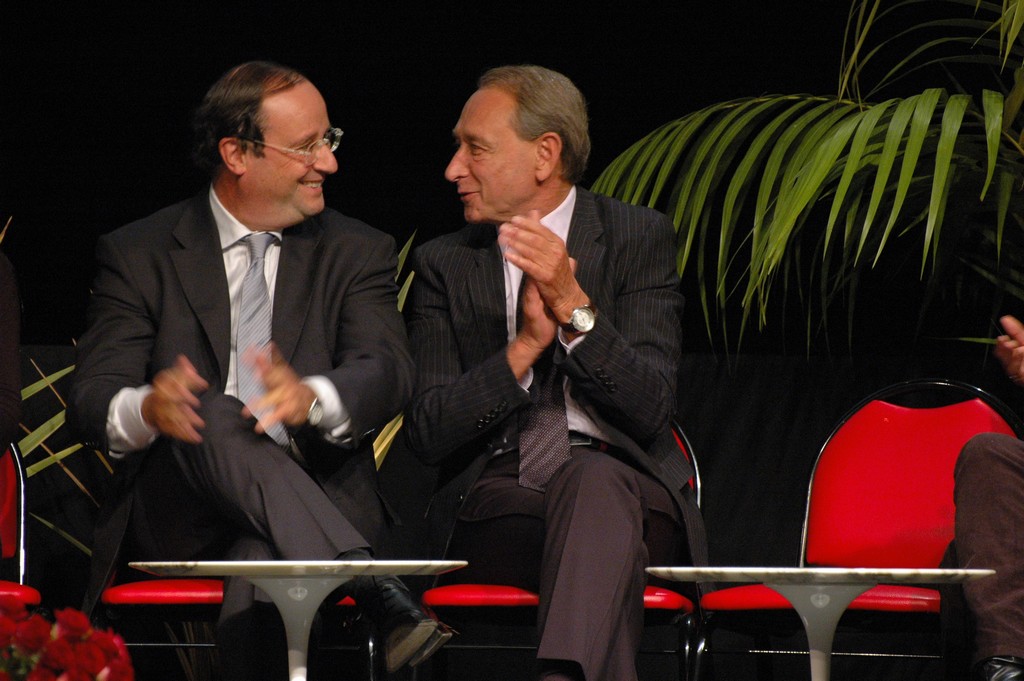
<point x="989" y="497"/>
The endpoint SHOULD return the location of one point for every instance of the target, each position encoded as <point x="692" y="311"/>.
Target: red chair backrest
<point x="10" y="510"/>
<point x="881" y="494"/>
<point x="687" y="451"/>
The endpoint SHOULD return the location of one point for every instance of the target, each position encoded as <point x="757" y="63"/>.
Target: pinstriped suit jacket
<point x="466" y="398"/>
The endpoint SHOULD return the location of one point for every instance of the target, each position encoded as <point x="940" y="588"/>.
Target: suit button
<point x="480" y="424"/>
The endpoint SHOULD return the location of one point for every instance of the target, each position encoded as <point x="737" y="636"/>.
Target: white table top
<point x="296" y="568"/>
<point x="817" y="575"/>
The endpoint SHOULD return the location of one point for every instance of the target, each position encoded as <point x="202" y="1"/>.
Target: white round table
<point x="297" y="587"/>
<point x="819" y="595"/>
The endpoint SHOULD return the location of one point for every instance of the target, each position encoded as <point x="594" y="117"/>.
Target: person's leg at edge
<point x="989" y="497"/>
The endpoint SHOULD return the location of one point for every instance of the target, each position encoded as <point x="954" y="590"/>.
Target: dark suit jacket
<point x="466" y="397"/>
<point x="161" y="291"/>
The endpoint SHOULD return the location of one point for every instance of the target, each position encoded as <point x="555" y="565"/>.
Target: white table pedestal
<point x="298" y="599"/>
<point x="819" y="595"/>
<point x="820" y="606"/>
<point x="298" y="588"/>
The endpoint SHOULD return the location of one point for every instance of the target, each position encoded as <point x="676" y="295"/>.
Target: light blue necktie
<point x="253" y="331"/>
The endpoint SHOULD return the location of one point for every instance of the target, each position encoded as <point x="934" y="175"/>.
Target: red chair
<point x="12" y="528"/>
<point x="492" y="620"/>
<point x="881" y="495"/>
<point x="193" y="604"/>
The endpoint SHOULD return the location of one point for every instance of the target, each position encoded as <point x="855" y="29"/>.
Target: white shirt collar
<point x="559" y="219"/>
<point x="229" y="229"/>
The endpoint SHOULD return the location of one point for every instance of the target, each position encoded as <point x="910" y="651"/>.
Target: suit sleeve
<point x="452" y="405"/>
<point x="115" y="350"/>
<point x="373" y="369"/>
<point x="626" y="368"/>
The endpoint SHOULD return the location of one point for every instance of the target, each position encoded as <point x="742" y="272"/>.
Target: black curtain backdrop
<point x="96" y="100"/>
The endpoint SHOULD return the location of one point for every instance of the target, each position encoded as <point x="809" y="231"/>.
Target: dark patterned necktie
<point x="543" y="430"/>
<point x="254" y="322"/>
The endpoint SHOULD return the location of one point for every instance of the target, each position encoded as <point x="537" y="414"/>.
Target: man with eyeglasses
<point x="243" y="347"/>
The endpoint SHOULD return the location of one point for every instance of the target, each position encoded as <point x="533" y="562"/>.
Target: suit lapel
<point x="200" y="269"/>
<point x="293" y="291"/>
<point x="485" y="282"/>
<point x="584" y="244"/>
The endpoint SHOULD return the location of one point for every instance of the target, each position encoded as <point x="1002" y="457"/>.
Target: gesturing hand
<point x="287" y="399"/>
<point x="171" y="407"/>
<point x="1010" y="348"/>
<point x="542" y="256"/>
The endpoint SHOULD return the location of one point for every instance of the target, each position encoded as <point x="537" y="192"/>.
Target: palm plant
<point x="805" y="194"/>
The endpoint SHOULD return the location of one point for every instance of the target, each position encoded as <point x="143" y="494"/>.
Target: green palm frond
<point x="382" y="443"/>
<point x="753" y="184"/>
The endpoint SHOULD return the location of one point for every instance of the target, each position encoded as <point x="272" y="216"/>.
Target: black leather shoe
<point x="1000" y="668"/>
<point x="410" y="635"/>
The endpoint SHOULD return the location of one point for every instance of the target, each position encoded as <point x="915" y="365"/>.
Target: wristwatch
<point x="315" y="413"/>
<point x="581" y="320"/>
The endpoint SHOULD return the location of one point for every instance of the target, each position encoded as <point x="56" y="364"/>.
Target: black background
<point x="96" y="100"/>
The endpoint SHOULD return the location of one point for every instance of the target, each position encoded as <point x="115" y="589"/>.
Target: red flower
<point x="72" y="623"/>
<point x="12" y="607"/>
<point x="74" y="675"/>
<point x="105" y="641"/>
<point x="41" y="674"/>
<point x="70" y="650"/>
<point x="89" y="657"/>
<point x="33" y="633"/>
<point x="7" y="629"/>
<point x="118" y="670"/>
<point x="58" y="655"/>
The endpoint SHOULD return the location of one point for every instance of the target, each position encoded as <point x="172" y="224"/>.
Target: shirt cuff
<point x="127" y="431"/>
<point x="336" y="425"/>
<point x="569" y="346"/>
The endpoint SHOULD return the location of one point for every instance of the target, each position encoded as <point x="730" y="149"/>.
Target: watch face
<point x="583" y="319"/>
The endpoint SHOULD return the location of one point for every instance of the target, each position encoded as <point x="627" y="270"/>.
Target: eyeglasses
<point x="309" y="153"/>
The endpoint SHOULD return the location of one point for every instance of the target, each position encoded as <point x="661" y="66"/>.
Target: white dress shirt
<point x="580" y="420"/>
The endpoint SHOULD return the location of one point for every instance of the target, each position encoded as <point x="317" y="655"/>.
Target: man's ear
<point x="232" y="154"/>
<point x="549" y="155"/>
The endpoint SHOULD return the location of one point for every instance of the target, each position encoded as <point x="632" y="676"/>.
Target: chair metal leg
<point x="699" y="649"/>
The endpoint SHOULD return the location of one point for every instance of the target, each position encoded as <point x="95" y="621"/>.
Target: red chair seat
<point x="884" y="597"/>
<point x="747" y="597"/>
<point x="656" y="598"/>
<point x="499" y="596"/>
<point x="23" y="593"/>
<point x="166" y="592"/>
<point x="895" y="598"/>
<point x="479" y="595"/>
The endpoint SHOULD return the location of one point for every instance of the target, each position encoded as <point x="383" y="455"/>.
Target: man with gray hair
<point x="547" y="335"/>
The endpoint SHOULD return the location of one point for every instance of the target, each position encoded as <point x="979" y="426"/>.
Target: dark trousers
<point x="989" y="497"/>
<point x="236" y="496"/>
<point x="582" y="545"/>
